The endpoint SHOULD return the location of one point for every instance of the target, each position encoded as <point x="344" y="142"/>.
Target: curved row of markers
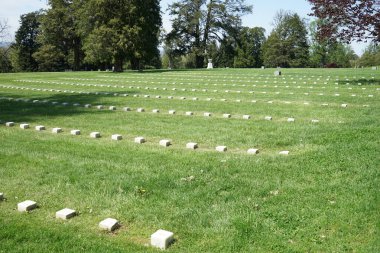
<point x="139" y="139"/>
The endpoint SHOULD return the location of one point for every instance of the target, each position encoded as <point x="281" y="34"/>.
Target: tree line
<point x="120" y="34"/>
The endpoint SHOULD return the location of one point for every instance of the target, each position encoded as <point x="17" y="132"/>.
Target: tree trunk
<point x="118" y="65"/>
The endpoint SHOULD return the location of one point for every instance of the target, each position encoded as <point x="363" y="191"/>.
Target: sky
<point x="262" y="15"/>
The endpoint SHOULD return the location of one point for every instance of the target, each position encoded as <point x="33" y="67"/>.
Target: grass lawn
<point x="322" y="197"/>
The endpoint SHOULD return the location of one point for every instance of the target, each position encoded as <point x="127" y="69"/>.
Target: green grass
<point x="322" y="197"/>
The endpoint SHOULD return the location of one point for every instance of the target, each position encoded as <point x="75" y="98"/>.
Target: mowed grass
<point x="322" y="197"/>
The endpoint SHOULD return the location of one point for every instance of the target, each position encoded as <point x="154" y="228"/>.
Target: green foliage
<point x="5" y="61"/>
<point x="328" y="52"/>
<point x="287" y="44"/>
<point x="249" y="50"/>
<point x="371" y="56"/>
<point x="50" y="58"/>
<point x="26" y="43"/>
<point x="198" y="23"/>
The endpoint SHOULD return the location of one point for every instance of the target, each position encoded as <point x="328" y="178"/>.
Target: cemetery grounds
<point x="321" y="197"/>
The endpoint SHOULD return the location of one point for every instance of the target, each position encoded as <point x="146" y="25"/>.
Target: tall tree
<point x="287" y="45"/>
<point x="59" y="30"/>
<point x="249" y="50"/>
<point x="26" y="43"/>
<point x="348" y="19"/>
<point x="196" y="23"/>
<point x="123" y="30"/>
<point x="371" y="56"/>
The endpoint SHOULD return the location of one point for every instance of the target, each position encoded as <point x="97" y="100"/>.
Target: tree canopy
<point x="347" y="19"/>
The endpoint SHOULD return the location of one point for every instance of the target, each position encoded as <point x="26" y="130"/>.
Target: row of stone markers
<point x="159" y="239"/>
<point x="144" y="96"/>
<point x="139" y="140"/>
<point x="184" y="89"/>
<point x="154" y="111"/>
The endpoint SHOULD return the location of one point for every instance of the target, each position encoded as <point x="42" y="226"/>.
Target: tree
<point x="196" y="23"/>
<point x="131" y="29"/>
<point x="59" y="30"/>
<point x="328" y="52"/>
<point x="287" y="44"/>
<point x="5" y="63"/>
<point x="371" y="56"/>
<point x="249" y="50"/>
<point x="26" y="43"/>
<point x="347" y="19"/>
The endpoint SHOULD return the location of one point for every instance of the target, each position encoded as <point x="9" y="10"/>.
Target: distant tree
<point x="287" y="45"/>
<point x="4" y="30"/>
<point x="249" y="50"/>
<point x="5" y="63"/>
<point x="226" y="53"/>
<point x="371" y="56"/>
<point x="26" y="43"/>
<point x="196" y="23"/>
<point x="50" y="58"/>
<point x="348" y="20"/>
<point x="328" y="52"/>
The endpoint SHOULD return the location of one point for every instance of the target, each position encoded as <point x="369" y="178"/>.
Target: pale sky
<point x="263" y="13"/>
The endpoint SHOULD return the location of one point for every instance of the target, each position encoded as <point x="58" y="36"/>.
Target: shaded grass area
<point x="323" y="197"/>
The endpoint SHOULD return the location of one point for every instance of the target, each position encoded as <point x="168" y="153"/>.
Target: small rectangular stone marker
<point x="26" y="206"/>
<point x="192" y="145"/>
<point x="246" y="116"/>
<point x="221" y="148"/>
<point x="112" y="108"/>
<point x="1" y="196"/>
<point x="344" y="105"/>
<point x="207" y="114"/>
<point x="139" y="140"/>
<point x="56" y="130"/>
<point x="9" y="124"/>
<point x="116" y="137"/>
<point x="155" y="111"/>
<point x="158" y="96"/>
<point x="109" y="224"/>
<point x="291" y="120"/>
<point x="171" y="111"/>
<point x="127" y="109"/>
<point x="75" y="132"/>
<point x="100" y="107"/>
<point x="226" y="115"/>
<point x="189" y="113"/>
<point x="170" y="97"/>
<point x="140" y="110"/>
<point x="285" y="152"/>
<point x="40" y="128"/>
<point x="95" y="135"/>
<point x="87" y="106"/>
<point x="165" y="143"/>
<point x="76" y="104"/>
<point x="24" y="126"/>
<point x="65" y="214"/>
<point x="314" y="121"/>
<point x="161" y="239"/>
<point x="268" y="118"/>
<point x="252" y="151"/>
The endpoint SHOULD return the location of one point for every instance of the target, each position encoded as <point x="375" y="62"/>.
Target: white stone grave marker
<point x="221" y="148"/>
<point x="116" y="137"/>
<point x="291" y="120"/>
<point x="24" y="126"/>
<point x="95" y="135"/>
<point x="285" y="152"/>
<point x="226" y="115"/>
<point x="139" y="140"/>
<point x="140" y="110"/>
<point x="268" y="118"/>
<point x="207" y="114"/>
<point x="127" y="109"/>
<point x="171" y="111"/>
<point x="164" y="143"/>
<point x="75" y="132"/>
<point x="188" y="113"/>
<point x="155" y="111"/>
<point x="26" y="206"/>
<point x="56" y="130"/>
<point x="9" y="124"/>
<point x="253" y="151"/>
<point x="65" y="214"/>
<point x="112" y="108"/>
<point x="161" y="239"/>
<point x="246" y="116"/>
<point x="109" y="224"/>
<point x="192" y="145"/>
<point x="40" y="128"/>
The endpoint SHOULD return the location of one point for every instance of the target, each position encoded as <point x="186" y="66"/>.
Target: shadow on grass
<point x="360" y="82"/>
<point x="27" y="111"/>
